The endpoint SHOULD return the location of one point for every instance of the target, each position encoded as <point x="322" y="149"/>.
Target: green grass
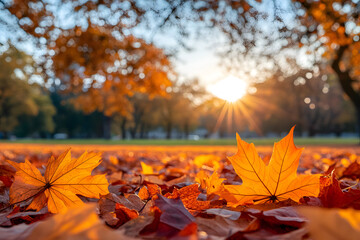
<point x="175" y="142"/>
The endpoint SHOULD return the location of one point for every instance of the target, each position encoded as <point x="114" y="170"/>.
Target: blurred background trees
<point x="106" y="67"/>
<point x="22" y="102"/>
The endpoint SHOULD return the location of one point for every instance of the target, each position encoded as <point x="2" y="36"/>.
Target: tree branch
<point x="344" y="77"/>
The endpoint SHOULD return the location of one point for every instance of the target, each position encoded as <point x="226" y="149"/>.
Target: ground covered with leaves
<point x="132" y="192"/>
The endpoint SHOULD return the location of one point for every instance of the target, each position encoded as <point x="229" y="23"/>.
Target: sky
<point x="201" y="63"/>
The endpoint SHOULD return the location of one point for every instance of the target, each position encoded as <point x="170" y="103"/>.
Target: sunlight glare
<point x="229" y="89"/>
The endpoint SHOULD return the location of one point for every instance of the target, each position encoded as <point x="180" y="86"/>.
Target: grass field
<point x="180" y="142"/>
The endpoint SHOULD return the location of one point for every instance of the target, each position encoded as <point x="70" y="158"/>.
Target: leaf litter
<point x="179" y="193"/>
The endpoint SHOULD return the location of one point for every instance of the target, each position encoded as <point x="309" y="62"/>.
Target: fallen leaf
<point x="232" y="215"/>
<point x="29" y="216"/>
<point x="77" y="224"/>
<point x="64" y="178"/>
<point x="271" y="234"/>
<point x="173" y="212"/>
<point x="225" y="227"/>
<point x="352" y="171"/>
<point x="134" y="227"/>
<point x="212" y="184"/>
<point x="146" y="169"/>
<point x="188" y="233"/>
<point x="117" y="210"/>
<point x="332" y="196"/>
<point x="279" y="216"/>
<point x="268" y="183"/>
<point x="148" y="191"/>
<point x="332" y="224"/>
<point x="188" y="196"/>
<point x="209" y="159"/>
<point x="18" y="232"/>
<point x="124" y="214"/>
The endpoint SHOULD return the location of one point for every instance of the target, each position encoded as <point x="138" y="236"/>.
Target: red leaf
<point x="188" y="233"/>
<point x="332" y="196"/>
<point x="124" y="214"/>
<point x="188" y="196"/>
<point x="6" y="180"/>
<point x="148" y="191"/>
<point x="352" y="171"/>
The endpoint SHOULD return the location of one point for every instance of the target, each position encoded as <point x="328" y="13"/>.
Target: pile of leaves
<point x="180" y="195"/>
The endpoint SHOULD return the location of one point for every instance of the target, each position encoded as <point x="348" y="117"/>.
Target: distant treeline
<point x="311" y="99"/>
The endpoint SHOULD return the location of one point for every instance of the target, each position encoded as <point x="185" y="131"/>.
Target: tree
<point x="42" y="124"/>
<point x="178" y="109"/>
<point x="16" y="94"/>
<point x="327" y="26"/>
<point x="332" y="26"/>
<point x="95" y="60"/>
<point x="103" y="78"/>
<point x="74" y="122"/>
<point x="316" y="102"/>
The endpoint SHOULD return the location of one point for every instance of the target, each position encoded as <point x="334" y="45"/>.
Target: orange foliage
<point x="168" y="204"/>
<point x="103" y="71"/>
<point x="276" y="181"/>
<point x="64" y="178"/>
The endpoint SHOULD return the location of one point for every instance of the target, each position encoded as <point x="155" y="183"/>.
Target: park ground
<point x="326" y="141"/>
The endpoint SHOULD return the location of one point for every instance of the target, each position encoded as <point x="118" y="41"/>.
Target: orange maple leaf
<point x="213" y="184"/>
<point x="268" y="183"/>
<point x="64" y="178"/>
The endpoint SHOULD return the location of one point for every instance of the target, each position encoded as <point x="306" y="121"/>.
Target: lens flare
<point x="229" y="89"/>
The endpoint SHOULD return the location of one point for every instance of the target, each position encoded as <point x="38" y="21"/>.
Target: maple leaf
<point x="64" y="178"/>
<point x="268" y="183"/>
<point x="212" y="184"/>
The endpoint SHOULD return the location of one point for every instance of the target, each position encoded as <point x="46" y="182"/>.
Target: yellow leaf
<point x="209" y="159"/>
<point x="64" y="178"/>
<point x="113" y="160"/>
<point x="212" y="184"/>
<point x="268" y="183"/>
<point x="146" y="169"/>
<point x="345" y="162"/>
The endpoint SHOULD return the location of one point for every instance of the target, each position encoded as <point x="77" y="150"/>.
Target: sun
<point x="230" y="89"/>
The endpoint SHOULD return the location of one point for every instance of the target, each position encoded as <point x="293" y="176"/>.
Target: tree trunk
<point x="358" y="121"/>
<point x="168" y="130"/>
<point x="346" y="81"/>
<point x="107" y="127"/>
<point x="142" y="130"/>
<point x="132" y="133"/>
<point x="134" y="130"/>
<point x="187" y="130"/>
<point x="312" y="131"/>
<point x="6" y="135"/>
<point x="123" y="129"/>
